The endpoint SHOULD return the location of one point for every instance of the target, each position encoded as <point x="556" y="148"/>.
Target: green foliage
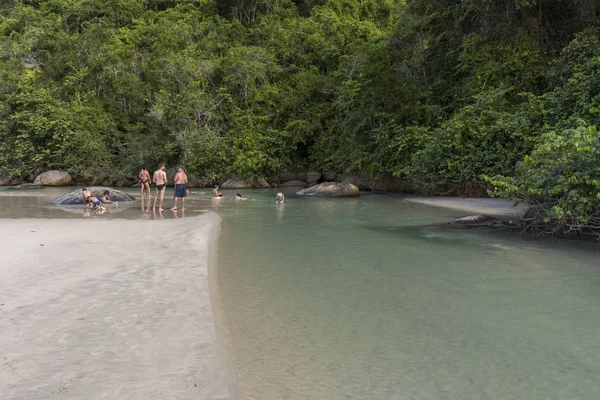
<point x="561" y="177"/>
<point x="484" y="138"/>
<point x="430" y="91"/>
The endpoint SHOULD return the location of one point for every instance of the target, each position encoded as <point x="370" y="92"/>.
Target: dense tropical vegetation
<point x="453" y="96"/>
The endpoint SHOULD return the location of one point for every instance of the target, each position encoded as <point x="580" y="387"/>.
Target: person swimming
<point x="240" y="197"/>
<point x="279" y="198"/>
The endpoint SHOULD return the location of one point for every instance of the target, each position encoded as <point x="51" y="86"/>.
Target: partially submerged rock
<point x="25" y="186"/>
<point x="75" y="197"/>
<point x="54" y="178"/>
<point x="477" y="221"/>
<point x="331" y="189"/>
<point x="5" y="180"/>
<point x="313" y="177"/>
<point x="359" y="180"/>
<point x="245" y="184"/>
<point x="293" y="184"/>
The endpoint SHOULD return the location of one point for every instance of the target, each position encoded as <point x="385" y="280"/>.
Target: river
<point x="373" y="298"/>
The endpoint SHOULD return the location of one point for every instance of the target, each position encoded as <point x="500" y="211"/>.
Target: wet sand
<point x="108" y="309"/>
<point x="486" y="206"/>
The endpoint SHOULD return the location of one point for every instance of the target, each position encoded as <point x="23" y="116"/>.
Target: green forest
<point x="453" y="97"/>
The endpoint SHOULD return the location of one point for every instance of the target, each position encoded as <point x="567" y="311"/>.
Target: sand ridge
<point x="108" y="309"/>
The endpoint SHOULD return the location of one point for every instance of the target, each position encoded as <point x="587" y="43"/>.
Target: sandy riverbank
<point x="108" y="309"/>
<point x="495" y="207"/>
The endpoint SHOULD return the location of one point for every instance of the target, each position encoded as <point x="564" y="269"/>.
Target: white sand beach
<point x="108" y="309"/>
<point x="486" y="206"/>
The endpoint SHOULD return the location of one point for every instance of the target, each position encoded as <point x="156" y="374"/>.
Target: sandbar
<point x="108" y="309"/>
<point x="486" y="206"/>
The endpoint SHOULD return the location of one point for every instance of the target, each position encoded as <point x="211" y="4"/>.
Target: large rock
<point x="363" y="182"/>
<point x="291" y="176"/>
<point x="5" y="180"/>
<point x="293" y="184"/>
<point x="313" y="177"/>
<point x="75" y="197"/>
<point x="245" y="184"/>
<point x="54" y="178"/>
<point x="331" y="189"/>
<point x="477" y="221"/>
<point x="329" y="176"/>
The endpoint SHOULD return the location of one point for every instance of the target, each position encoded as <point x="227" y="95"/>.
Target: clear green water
<point x="369" y="299"/>
<point x="366" y="299"/>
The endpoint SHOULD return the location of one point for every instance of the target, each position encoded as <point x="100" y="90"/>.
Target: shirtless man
<point x="145" y="181"/>
<point x="180" y="189"/>
<point x="86" y="194"/>
<point x="160" y="178"/>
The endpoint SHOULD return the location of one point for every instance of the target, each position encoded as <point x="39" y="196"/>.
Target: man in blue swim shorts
<point x="180" y="189"/>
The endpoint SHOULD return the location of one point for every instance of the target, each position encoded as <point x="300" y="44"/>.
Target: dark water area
<point x="374" y="298"/>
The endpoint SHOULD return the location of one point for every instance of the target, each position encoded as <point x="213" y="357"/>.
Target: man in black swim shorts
<point x="160" y="178"/>
<point x="180" y="189"/>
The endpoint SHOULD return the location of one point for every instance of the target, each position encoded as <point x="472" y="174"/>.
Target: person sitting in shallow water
<point x="106" y="198"/>
<point x="279" y="198"/>
<point x="215" y="193"/>
<point x="240" y="197"/>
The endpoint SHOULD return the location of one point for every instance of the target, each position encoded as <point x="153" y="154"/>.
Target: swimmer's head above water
<point x="279" y="197"/>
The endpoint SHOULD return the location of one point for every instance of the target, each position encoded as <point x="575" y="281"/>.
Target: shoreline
<point x="109" y="309"/>
<point x="478" y="205"/>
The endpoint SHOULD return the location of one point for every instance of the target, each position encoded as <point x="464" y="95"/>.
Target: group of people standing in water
<point x="159" y="178"/>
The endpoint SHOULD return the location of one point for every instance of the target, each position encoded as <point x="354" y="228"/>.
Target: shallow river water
<point x="372" y="299"/>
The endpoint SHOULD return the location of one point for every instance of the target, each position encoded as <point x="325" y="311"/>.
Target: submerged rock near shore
<point x="25" y="186"/>
<point x="75" y="197"/>
<point x="331" y="189"/>
<point x="245" y="184"/>
<point x="477" y="221"/>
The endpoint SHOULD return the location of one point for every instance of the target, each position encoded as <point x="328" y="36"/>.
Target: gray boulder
<point x="54" y="178"/>
<point x="331" y="189"/>
<point x="236" y="184"/>
<point x="291" y="176"/>
<point x="262" y="184"/>
<point x="293" y="184"/>
<point x="360" y="181"/>
<point x="5" y="180"/>
<point x="313" y="177"/>
<point x="477" y="221"/>
<point x="75" y="197"/>
<point x="25" y="186"/>
<point x="329" y="176"/>
<point x="245" y="184"/>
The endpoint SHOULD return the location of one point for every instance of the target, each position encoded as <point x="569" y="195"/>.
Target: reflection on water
<point x="370" y="299"/>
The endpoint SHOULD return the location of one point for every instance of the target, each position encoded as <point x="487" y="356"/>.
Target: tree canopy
<point x="451" y="95"/>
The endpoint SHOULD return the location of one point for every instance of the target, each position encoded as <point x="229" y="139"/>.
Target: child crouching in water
<point x="106" y="198"/>
<point x="95" y="203"/>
